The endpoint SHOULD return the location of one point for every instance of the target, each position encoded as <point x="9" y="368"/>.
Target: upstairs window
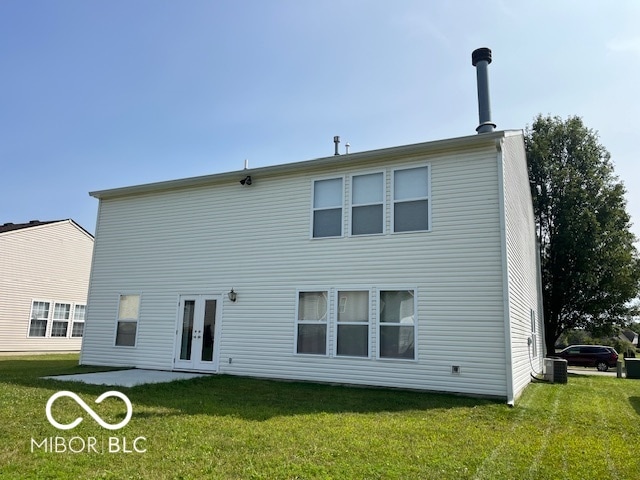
<point x="411" y="199"/>
<point x="367" y="204"/>
<point x="327" y="208"/>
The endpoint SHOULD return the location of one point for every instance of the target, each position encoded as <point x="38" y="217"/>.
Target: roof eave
<point x="404" y="150"/>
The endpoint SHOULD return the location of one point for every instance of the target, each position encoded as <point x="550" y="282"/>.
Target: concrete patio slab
<point x="126" y="378"/>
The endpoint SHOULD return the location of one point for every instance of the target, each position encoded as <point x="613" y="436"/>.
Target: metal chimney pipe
<point x="336" y="141"/>
<point x="481" y="58"/>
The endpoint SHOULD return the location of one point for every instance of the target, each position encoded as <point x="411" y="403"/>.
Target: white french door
<point x="197" y="333"/>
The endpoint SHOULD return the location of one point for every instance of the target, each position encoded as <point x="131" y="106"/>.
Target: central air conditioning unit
<point x="555" y="370"/>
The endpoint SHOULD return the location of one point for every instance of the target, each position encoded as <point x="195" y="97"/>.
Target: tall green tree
<point x="590" y="266"/>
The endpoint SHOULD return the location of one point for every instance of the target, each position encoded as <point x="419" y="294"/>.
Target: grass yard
<point x="237" y="428"/>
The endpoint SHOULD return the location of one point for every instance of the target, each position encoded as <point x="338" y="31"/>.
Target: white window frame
<point x="75" y="321"/>
<point x="353" y="205"/>
<point x="55" y="320"/>
<point x="534" y="336"/>
<point x="337" y="323"/>
<point x="405" y="200"/>
<point x="380" y="324"/>
<point x="314" y="209"/>
<point x="127" y="320"/>
<point x="326" y="322"/>
<point x="47" y="319"/>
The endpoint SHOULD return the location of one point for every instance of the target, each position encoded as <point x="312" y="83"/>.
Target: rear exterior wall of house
<point x="258" y="240"/>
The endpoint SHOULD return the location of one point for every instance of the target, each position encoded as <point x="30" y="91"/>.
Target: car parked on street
<point x="598" y="356"/>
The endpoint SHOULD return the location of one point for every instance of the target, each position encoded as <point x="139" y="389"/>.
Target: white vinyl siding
<point x="524" y="305"/>
<point x="193" y="239"/>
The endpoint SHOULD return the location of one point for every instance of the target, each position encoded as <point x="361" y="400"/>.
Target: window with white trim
<point x="39" y="319"/>
<point x="77" y="327"/>
<point x="396" y="323"/>
<point x="327" y="208"/>
<point x="367" y="204"/>
<point x="352" y="327"/>
<point x="61" y="315"/>
<point x="127" y="321"/>
<point x="311" y="322"/>
<point x="411" y="198"/>
<point x="534" y="336"/>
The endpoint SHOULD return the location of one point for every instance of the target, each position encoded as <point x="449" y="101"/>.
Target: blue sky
<point x="103" y="94"/>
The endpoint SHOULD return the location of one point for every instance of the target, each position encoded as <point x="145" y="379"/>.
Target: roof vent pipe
<point x="336" y="141"/>
<point x="481" y="58"/>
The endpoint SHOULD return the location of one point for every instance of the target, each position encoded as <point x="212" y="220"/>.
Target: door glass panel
<point x="208" y="330"/>
<point x="187" y="329"/>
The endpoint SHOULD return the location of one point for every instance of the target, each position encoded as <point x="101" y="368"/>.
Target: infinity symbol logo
<point x="88" y="409"/>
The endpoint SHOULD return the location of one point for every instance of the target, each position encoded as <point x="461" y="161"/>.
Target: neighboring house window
<point x="352" y="330"/>
<point x="411" y="197"/>
<point x="39" y="319"/>
<point x="61" y="315"/>
<point x="128" y="314"/>
<point x="327" y="208"/>
<point x="311" y="328"/>
<point x="77" y="328"/>
<point x="367" y="204"/>
<point x="397" y="324"/>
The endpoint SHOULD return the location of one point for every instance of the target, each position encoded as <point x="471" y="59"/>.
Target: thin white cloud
<point x="625" y="45"/>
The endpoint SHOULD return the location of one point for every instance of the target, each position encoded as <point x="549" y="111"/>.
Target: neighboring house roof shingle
<point x="8" y="227"/>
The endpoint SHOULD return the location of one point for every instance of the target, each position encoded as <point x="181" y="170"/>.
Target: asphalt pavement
<point x="592" y="371"/>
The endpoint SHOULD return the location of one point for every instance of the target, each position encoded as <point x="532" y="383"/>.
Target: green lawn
<point x="227" y="427"/>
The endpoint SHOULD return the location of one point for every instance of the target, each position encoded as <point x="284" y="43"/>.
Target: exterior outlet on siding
<point x="382" y="268"/>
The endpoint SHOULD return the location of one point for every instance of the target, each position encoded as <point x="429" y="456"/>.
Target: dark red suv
<point x="597" y="356"/>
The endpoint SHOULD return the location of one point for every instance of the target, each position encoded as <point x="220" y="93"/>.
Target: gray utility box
<point x="555" y="370"/>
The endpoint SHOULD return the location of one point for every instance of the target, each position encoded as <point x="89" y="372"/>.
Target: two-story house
<point x="412" y="267"/>
<point x="44" y="278"/>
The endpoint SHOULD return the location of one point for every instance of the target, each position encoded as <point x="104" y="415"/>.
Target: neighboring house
<point x="629" y="336"/>
<point x="44" y="277"/>
<point x="354" y="269"/>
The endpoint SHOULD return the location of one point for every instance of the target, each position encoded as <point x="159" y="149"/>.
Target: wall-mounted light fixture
<point x="246" y="180"/>
<point x="233" y="296"/>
